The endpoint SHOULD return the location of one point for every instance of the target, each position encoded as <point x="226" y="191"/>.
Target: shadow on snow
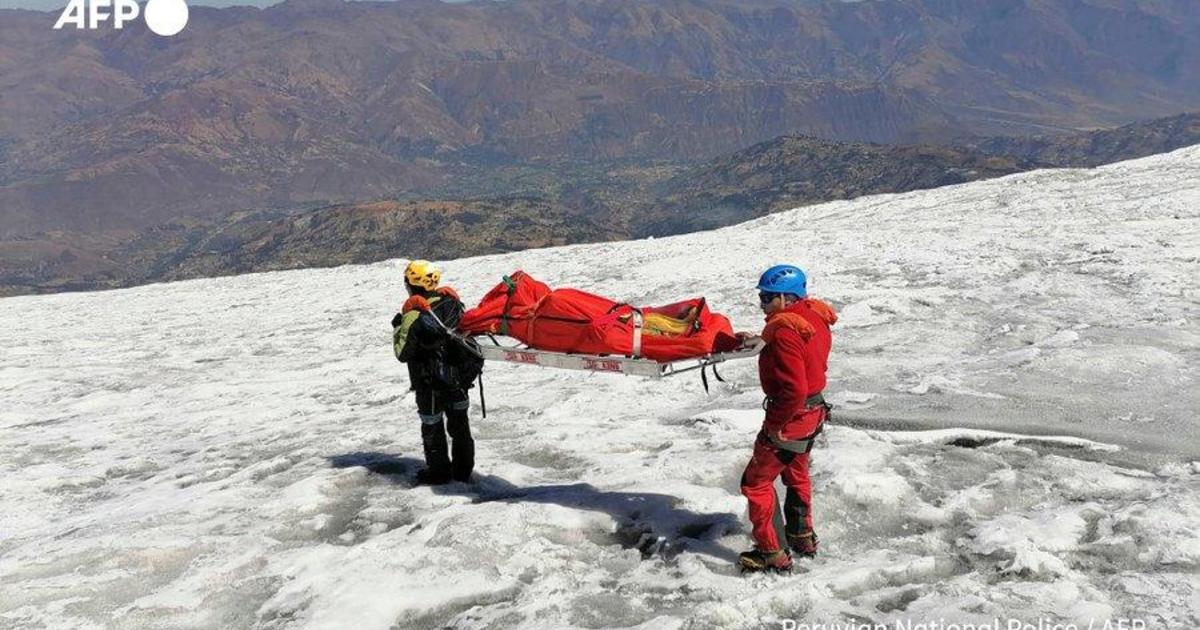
<point x="651" y="523"/>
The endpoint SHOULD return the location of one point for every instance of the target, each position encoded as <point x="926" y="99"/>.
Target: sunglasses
<point x="767" y="298"/>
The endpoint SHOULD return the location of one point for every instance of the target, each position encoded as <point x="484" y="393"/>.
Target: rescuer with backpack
<point x="442" y="366"/>
<point x="791" y="369"/>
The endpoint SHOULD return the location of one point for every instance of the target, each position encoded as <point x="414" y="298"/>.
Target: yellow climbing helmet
<point x="423" y="274"/>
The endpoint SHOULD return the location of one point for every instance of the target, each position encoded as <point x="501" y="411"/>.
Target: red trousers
<point x="758" y="485"/>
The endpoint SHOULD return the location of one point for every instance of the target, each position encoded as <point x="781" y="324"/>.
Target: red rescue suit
<point x="791" y="369"/>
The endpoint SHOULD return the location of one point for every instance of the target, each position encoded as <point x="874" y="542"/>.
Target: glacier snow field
<point x="1016" y="434"/>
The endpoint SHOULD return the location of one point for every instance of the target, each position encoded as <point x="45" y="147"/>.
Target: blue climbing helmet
<point x="784" y="279"/>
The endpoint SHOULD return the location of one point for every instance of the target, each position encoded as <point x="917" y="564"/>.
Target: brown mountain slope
<point x="1101" y="147"/>
<point x="265" y="241"/>
<point x="793" y="171"/>
<point x="315" y="101"/>
<point x="535" y="207"/>
<point x="546" y="206"/>
<point x="358" y="233"/>
<point x="311" y="102"/>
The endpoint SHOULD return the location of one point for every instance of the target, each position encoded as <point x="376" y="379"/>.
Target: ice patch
<point x="861" y="315"/>
<point x="975" y="437"/>
<point x="1060" y="339"/>
<point x="1027" y="543"/>
<point x="851" y="399"/>
<point x="939" y="384"/>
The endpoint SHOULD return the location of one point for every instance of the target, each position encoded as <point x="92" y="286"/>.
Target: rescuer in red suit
<point x="791" y="369"/>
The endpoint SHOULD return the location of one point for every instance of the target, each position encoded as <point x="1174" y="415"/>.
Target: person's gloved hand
<point x="416" y="303"/>
<point x="746" y="338"/>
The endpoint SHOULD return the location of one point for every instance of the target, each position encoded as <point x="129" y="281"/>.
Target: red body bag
<point x="569" y="320"/>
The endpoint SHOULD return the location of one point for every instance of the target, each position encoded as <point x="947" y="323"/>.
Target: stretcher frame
<point x="615" y="364"/>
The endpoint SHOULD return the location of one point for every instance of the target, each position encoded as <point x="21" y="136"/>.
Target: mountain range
<point x="533" y="207"/>
<point x="126" y="157"/>
<point x="312" y="102"/>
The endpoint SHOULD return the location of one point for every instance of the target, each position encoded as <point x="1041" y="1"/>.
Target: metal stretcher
<point x="631" y="366"/>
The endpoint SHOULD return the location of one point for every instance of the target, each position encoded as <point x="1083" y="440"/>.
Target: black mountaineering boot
<point x="779" y="560"/>
<point x="432" y="477"/>
<point x="804" y="544"/>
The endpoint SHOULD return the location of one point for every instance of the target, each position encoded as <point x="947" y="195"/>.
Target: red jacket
<point x="792" y="365"/>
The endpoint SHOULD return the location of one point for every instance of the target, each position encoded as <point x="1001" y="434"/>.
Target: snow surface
<point x="1016" y="435"/>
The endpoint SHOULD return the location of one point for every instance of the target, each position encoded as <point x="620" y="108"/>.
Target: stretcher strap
<point x="638" y="320"/>
<point x="615" y="314"/>
<point x="704" y="376"/>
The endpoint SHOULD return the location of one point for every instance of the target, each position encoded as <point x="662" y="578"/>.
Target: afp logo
<point x="164" y="17"/>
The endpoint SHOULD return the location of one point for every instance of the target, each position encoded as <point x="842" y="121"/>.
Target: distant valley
<point x="558" y="205"/>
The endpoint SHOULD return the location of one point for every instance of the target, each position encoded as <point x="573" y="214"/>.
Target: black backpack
<point x="465" y="359"/>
